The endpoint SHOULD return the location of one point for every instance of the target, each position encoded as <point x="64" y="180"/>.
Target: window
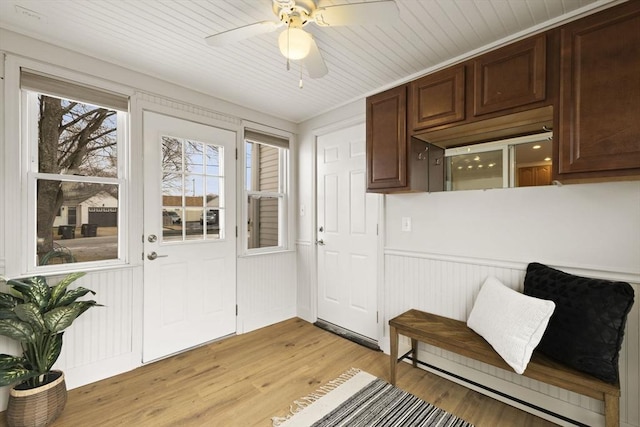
<point x="266" y="163"/>
<point x="192" y="183"/>
<point x="74" y="138"/>
<point x="516" y="162"/>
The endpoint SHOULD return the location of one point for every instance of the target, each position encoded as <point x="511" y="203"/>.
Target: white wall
<point x="108" y="340"/>
<point x="593" y="226"/>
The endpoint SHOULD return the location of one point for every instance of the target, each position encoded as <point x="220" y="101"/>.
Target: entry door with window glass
<point x="189" y="234"/>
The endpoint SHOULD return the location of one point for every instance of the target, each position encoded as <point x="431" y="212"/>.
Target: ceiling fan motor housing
<point x="294" y="13"/>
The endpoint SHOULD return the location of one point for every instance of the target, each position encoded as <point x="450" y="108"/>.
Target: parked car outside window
<point x="211" y="218"/>
<point x="175" y="218"/>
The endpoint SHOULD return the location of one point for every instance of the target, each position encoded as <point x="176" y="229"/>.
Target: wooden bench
<point x="456" y="336"/>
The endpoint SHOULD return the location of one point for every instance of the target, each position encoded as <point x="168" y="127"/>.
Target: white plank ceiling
<point x="165" y="39"/>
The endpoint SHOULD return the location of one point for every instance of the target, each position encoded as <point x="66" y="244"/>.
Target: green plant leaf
<point x="35" y="315"/>
<point x="73" y="295"/>
<point x="58" y="291"/>
<point x="8" y="300"/>
<point x="34" y="289"/>
<point x="52" y="352"/>
<point x="86" y="305"/>
<point x="61" y="318"/>
<point x="40" y="292"/>
<point x="5" y="313"/>
<point x="17" y="329"/>
<point x="17" y="375"/>
<point x="20" y="287"/>
<point x="8" y="362"/>
<point x="30" y="313"/>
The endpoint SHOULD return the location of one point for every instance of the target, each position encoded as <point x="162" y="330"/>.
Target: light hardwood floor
<point x="245" y="380"/>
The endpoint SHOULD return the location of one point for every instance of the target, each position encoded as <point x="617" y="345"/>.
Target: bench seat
<point x="455" y="336"/>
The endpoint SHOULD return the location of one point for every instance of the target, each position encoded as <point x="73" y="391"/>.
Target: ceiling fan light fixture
<point x="294" y="43"/>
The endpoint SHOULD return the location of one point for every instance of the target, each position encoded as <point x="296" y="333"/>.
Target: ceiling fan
<point x="297" y="44"/>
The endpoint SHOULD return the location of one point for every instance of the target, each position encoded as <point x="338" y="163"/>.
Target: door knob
<point x="320" y="242"/>
<point x="151" y="256"/>
<point x="152" y="238"/>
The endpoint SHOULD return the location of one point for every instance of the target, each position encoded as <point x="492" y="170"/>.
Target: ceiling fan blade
<point x="375" y="12"/>
<point x="314" y="63"/>
<point x="241" y="33"/>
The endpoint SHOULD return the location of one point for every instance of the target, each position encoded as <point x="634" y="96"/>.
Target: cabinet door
<point x="437" y="99"/>
<point x="511" y="76"/>
<point x="600" y="92"/>
<point x="534" y="175"/>
<point x="387" y="140"/>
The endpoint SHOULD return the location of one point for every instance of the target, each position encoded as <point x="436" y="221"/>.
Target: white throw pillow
<point x="513" y="323"/>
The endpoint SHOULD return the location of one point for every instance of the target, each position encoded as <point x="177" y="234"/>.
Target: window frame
<point x="28" y="101"/>
<point x="283" y="194"/>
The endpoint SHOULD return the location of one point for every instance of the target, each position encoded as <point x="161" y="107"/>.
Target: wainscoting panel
<point x="266" y="289"/>
<point x="103" y="341"/>
<point x="448" y="286"/>
<point x="305" y="259"/>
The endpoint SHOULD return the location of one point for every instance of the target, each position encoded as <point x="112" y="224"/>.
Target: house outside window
<point x="74" y="139"/>
<point x="266" y="183"/>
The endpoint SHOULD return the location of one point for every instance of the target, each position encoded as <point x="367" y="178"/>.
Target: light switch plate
<point x="406" y="223"/>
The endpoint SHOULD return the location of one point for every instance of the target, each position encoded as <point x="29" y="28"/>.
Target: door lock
<point x="320" y="242"/>
<point x="152" y="238"/>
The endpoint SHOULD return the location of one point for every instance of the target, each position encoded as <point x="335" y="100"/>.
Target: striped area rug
<point x="358" y="399"/>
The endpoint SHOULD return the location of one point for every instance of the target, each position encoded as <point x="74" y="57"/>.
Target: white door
<point x="347" y="234"/>
<point x="189" y="234"/>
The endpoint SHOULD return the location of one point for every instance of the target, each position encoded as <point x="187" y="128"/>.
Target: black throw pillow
<point x="586" y="329"/>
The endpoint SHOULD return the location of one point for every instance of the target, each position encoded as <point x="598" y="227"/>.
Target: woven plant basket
<point x="38" y="406"/>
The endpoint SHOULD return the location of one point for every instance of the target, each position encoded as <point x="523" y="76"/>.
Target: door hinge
<point x="377" y="229"/>
<point x="236" y="309"/>
<point x="377" y="317"/>
<point x="236" y="154"/>
<point x="236" y="231"/>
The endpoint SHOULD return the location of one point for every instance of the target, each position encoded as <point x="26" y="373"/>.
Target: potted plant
<point x="36" y="315"/>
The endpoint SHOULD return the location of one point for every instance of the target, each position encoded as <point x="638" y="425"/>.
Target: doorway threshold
<point x="350" y="335"/>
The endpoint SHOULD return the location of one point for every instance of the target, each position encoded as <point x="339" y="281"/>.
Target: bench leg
<point x="414" y="352"/>
<point x="611" y="410"/>
<point x="393" y="357"/>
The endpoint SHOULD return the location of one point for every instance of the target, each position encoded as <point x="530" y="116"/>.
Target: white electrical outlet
<point x="406" y="223"/>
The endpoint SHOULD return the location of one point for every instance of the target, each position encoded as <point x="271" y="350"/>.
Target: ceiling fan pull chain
<point x="288" y="41"/>
<point x="300" y="83"/>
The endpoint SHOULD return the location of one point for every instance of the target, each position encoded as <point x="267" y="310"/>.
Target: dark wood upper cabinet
<point x="396" y="162"/>
<point x="599" y="115"/>
<point x="582" y="79"/>
<point x="511" y="76"/>
<point x="437" y="99"/>
<point x="387" y="140"/>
